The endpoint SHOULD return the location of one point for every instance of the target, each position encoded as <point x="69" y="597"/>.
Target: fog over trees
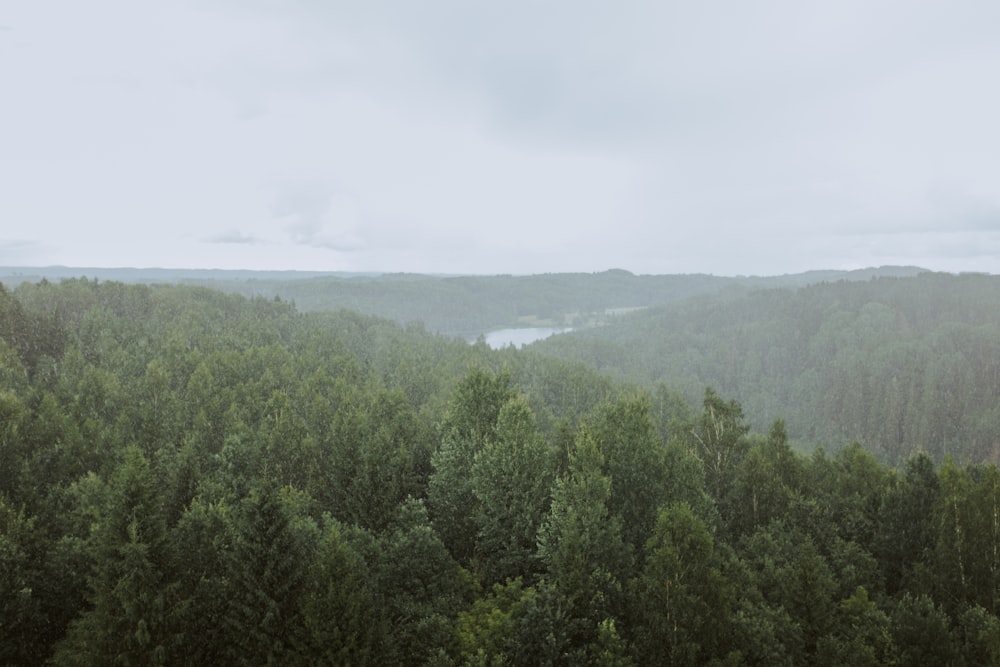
<point x="801" y="471"/>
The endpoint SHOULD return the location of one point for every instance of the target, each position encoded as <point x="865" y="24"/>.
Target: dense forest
<point x="898" y="364"/>
<point x="193" y="477"/>
<point x="463" y="306"/>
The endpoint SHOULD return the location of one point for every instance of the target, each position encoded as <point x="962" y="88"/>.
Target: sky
<point x="459" y="136"/>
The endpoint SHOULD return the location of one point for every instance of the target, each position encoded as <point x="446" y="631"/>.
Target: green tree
<point x="492" y="630"/>
<point x="202" y="542"/>
<point x="127" y="624"/>
<point x="339" y="609"/>
<point x="720" y="441"/>
<point x="421" y="587"/>
<point x="469" y="424"/>
<point x="581" y="545"/>
<point x="861" y="635"/>
<point x="634" y="459"/>
<point x="512" y="478"/>
<point x="906" y="530"/>
<point x="373" y="459"/>
<point x="767" y="480"/>
<point x="267" y="568"/>
<point x="791" y="574"/>
<point x="921" y="632"/>
<point x="977" y="635"/>
<point x="22" y="613"/>
<point x="683" y="600"/>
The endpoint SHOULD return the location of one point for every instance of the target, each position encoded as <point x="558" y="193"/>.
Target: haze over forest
<point x="786" y="471"/>
<point x="250" y="253"/>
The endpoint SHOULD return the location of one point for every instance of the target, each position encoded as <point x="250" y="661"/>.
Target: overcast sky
<point x="726" y="137"/>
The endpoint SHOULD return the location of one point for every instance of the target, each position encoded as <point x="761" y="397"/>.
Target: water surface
<point x="520" y="336"/>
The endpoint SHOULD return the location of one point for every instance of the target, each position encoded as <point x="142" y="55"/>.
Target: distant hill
<point x="14" y="275"/>
<point x="899" y="364"/>
<point x="461" y="305"/>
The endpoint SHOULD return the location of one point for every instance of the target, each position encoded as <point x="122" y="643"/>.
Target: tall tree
<point x="581" y="544"/>
<point x="921" y="632"/>
<point x="469" y="424"/>
<point x="421" y="588"/>
<point x="512" y="478"/>
<point x="906" y="529"/>
<point x="720" y="441"/>
<point x="766" y="482"/>
<point x="635" y="462"/>
<point x="127" y="624"/>
<point x="859" y="636"/>
<point x="373" y="452"/>
<point x="267" y="574"/>
<point x="791" y="574"/>
<point x="682" y="600"/>
<point x="339" y="609"/>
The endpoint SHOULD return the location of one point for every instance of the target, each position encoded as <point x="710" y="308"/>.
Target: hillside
<point x="463" y="306"/>
<point x="899" y="364"/>
<point x="194" y="478"/>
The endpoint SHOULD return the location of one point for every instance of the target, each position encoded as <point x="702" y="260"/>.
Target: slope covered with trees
<point x="464" y="306"/>
<point x="188" y="477"/>
<point x="899" y="364"/>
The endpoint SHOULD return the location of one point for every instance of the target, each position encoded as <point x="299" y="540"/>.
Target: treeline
<point x="470" y="305"/>
<point x="899" y="364"/>
<point x="193" y="478"/>
<point x="463" y="306"/>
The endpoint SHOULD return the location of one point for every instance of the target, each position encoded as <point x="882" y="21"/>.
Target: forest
<point x="463" y="306"/>
<point x="194" y="477"/>
<point x="895" y="363"/>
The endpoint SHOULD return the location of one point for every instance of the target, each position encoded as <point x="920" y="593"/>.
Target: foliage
<point x="189" y="477"/>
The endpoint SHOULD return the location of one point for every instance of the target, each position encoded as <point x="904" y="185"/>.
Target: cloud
<point x="234" y="237"/>
<point x="453" y="136"/>
<point x="18" y="250"/>
<point x="317" y="216"/>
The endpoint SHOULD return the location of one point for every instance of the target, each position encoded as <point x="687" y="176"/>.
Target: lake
<point x="521" y="336"/>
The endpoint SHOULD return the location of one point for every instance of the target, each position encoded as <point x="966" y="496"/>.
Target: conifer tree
<point x="127" y="624"/>
<point x="470" y="423"/>
<point x="267" y="572"/>
<point x="512" y="478"/>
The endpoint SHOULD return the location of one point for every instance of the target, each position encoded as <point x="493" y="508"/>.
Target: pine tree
<point x="127" y="624"/>
<point x="267" y="572"/>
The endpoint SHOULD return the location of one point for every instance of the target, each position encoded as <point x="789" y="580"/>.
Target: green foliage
<point x="421" y="588"/>
<point x="683" y="601"/>
<point x="861" y="635"/>
<point x="921" y="632"/>
<point x="898" y="363"/>
<point x="791" y="574"/>
<point x="266" y="570"/>
<point x="581" y="544"/>
<point x="127" y="624"/>
<point x="470" y="423"/>
<point x="22" y="595"/>
<point x="767" y="482"/>
<point x="512" y="477"/>
<point x="374" y="450"/>
<point x="720" y="441"/>
<point x="193" y="478"/>
<point x="906" y="536"/>
<point x="636" y="464"/>
<point x="493" y="630"/>
<point x="339" y="610"/>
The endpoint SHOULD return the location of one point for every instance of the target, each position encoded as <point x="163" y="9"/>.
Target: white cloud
<point x="448" y="136"/>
